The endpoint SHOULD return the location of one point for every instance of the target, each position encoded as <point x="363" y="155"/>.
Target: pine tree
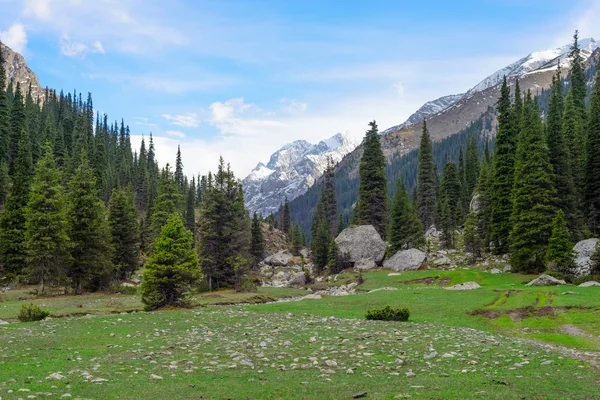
<point x="471" y="167"/>
<point x="533" y="193"/>
<point x="341" y="224"/>
<point x="257" y="244"/>
<point x="592" y="171"/>
<point x="578" y="79"/>
<point x="173" y="268"/>
<point x="17" y="125"/>
<point x="190" y="210"/>
<point x="406" y="230"/>
<point x="12" y="224"/>
<point x="503" y="171"/>
<point x="450" y="192"/>
<point x="224" y="235"/>
<point x="286" y="219"/>
<point x="46" y="238"/>
<point x="4" y="113"/>
<point x="89" y="232"/>
<point x="179" y="178"/>
<point x="426" y="182"/>
<point x="560" y="255"/>
<point x="447" y="231"/>
<point x="574" y="132"/>
<point x="560" y="159"/>
<point x="124" y="233"/>
<point x="372" y="204"/>
<point x="321" y="240"/>
<point x="296" y="240"/>
<point x="167" y="202"/>
<point x="328" y="197"/>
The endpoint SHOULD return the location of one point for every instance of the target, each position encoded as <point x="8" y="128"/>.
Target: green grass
<point x="214" y="352"/>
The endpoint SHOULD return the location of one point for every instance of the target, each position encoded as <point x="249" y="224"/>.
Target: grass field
<point x="458" y="345"/>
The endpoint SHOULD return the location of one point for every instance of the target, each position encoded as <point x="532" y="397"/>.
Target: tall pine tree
<point x="406" y="230"/>
<point x="427" y="196"/>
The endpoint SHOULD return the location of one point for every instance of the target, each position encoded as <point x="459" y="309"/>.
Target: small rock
<point x="546" y="280"/>
<point x="156" y="377"/>
<point x="431" y="355"/>
<point x="331" y="363"/>
<point x="349" y="371"/>
<point x="569" y="292"/>
<point x="410" y="374"/>
<point x="359" y="395"/>
<point x="56" y="376"/>
<point x="464" y="286"/>
<point x="589" y="284"/>
<point x="495" y="271"/>
<point x="507" y="268"/>
<point x="547" y="362"/>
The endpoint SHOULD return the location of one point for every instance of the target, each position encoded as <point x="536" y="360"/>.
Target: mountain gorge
<point x="291" y="170"/>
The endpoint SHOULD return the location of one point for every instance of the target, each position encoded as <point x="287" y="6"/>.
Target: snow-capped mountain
<point x="291" y="171"/>
<point x="427" y="109"/>
<point x="537" y="62"/>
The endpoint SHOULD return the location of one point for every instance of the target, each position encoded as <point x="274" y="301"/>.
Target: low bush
<point x="388" y="313"/>
<point x="119" y="289"/>
<point x="32" y="312"/>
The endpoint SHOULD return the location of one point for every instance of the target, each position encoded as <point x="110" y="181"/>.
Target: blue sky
<point x="242" y="78"/>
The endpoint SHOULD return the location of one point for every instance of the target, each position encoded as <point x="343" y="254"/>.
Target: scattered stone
<point x="3" y="322"/>
<point x="156" y="377"/>
<point x="394" y="274"/>
<point x="495" y="271"/>
<point x="431" y="355"/>
<point x="56" y="376"/>
<point x="349" y="371"/>
<point x="589" y="284"/>
<point x="331" y="363"/>
<point x="569" y="292"/>
<point x="442" y="261"/>
<point x="279" y="259"/>
<point x="313" y="296"/>
<point x="410" y="374"/>
<point x="507" y="268"/>
<point x="297" y="280"/>
<point x="359" y="395"/>
<point x="546" y="280"/>
<point x="361" y="243"/>
<point x="547" y="362"/>
<point x="464" y="286"/>
<point x="406" y="260"/>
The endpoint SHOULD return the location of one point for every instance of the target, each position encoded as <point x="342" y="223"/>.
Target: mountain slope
<point x="291" y="171"/>
<point x="18" y="71"/>
<point x="474" y="113"/>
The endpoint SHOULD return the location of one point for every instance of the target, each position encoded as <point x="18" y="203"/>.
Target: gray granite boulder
<point x="464" y="286"/>
<point x="280" y="259"/>
<point x="406" y="260"/>
<point x="361" y="243"/>
<point x="589" y="284"/>
<point x="546" y="280"/>
<point x="584" y="250"/>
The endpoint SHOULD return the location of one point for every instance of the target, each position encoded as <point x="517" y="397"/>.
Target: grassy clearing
<point x="227" y="353"/>
<point x="304" y="349"/>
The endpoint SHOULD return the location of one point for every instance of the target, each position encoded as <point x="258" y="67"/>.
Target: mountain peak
<point x="291" y="170"/>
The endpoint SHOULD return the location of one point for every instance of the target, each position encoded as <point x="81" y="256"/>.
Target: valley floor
<point x="488" y="343"/>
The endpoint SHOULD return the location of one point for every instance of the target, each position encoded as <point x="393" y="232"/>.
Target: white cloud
<point x="188" y="120"/>
<point x="175" y="133"/>
<point x="291" y="105"/>
<point x="228" y="118"/>
<point x="39" y="9"/>
<point x="145" y="122"/>
<point x="15" y="37"/>
<point x="72" y="48"/>
<point x="399" y="86"/>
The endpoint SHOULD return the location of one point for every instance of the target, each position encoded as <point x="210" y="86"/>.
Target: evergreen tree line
<point x="533" y="195"/>
<point x="79" y="207"/>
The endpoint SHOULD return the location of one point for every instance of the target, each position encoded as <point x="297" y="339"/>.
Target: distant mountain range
<point x="291" y="170"/>
<point x="18" y="71"/>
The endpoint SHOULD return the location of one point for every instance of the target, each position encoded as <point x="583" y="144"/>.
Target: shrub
<point x="388" y="313"/>
<point x="119" y="289"/>
<point x="32" y="312"/>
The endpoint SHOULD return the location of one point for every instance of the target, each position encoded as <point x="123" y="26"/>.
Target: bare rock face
<point x="584" y="250"/>
<point x="362" y="244"/>
<point x="546" y="280"/>
<point x="406" y="260"/>
<point x="17" y="71"/>
<point x="464" y="286"/>
<point x="475" y="204"/>
<point x="279" y="259"/>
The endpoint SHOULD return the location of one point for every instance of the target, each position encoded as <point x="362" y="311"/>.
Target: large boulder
<point x="361" y="243"/>
<point x="589" y="284"/>
<point x="297" y="280"/>
<point x="406" y="260"/>
<point x="546" y="280"/>
<point x="584" y="250"/>
<point x="279" y="259"/>
<point x="475" y="204"/>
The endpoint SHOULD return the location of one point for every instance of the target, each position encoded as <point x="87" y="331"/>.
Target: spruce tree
<point x="257" y="244"/>
<point x="426" y="182"/>
<point x="296" y="240"/>
<point x="372" y="204"/>
<point x="167" y="202"/>
<point x="17" y="125"/>
<point x="286" y="219"/>
<point x="173" y="268"/>
<point x="574" y="135"/>
<point x="179" y="178"/>
<point x="503" y="171"/>
<point x="560" y="159"/>
<point x="533" y="193"/>
<point x="4" y="113"/>
<point x="406" y="230"/>
<point x="592" y="171"/>
<point x="328" y="197"/>
<point x="471" y="167"/>
<point x="124" y="233"/>
<point x="190" y="210"/>
<point x="46" y="238"/>
<point x="12" y="224"/>
<point x="90" y="266"/>
<point x="560" y="255"/>
<point x="450" y="192"/>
